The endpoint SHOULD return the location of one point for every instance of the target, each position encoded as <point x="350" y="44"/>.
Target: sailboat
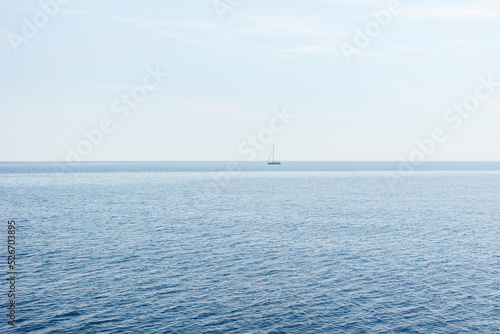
<point x="271" y="160"/>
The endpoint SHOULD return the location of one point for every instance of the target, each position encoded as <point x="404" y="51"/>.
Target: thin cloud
<point x="125" y="87"/>
<point x="355" y="3"/>
<point x="77" y="11"/>
<point x="250" y="33"/>
<point x="413" y="49"/>
<point x="454" y="13"/>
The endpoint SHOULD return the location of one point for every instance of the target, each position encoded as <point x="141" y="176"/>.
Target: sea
<point x="245" y="247"/>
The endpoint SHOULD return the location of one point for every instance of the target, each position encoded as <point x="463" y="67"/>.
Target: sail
<point x="271" y="160"/>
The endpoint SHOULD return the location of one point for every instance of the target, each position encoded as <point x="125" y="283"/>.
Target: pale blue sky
<point x="226" y="77"/>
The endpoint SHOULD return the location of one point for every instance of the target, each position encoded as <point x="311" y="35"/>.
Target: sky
<point x="196" y="80"/>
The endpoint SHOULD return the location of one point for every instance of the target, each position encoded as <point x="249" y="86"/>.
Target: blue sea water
<point x="299" y="248"/>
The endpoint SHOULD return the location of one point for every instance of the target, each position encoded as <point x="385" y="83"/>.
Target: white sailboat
<point x="271" y="160"/>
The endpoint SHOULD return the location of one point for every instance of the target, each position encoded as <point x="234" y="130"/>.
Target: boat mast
<point x="273" y="153"/>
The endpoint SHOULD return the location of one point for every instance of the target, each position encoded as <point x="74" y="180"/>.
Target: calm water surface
<point x="297" y="248"/>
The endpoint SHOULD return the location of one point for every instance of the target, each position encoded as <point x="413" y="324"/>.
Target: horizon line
<point x="239" y="161"/>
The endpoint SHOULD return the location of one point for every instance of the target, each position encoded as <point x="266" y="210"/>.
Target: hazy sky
<point x="65" y="70"/>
